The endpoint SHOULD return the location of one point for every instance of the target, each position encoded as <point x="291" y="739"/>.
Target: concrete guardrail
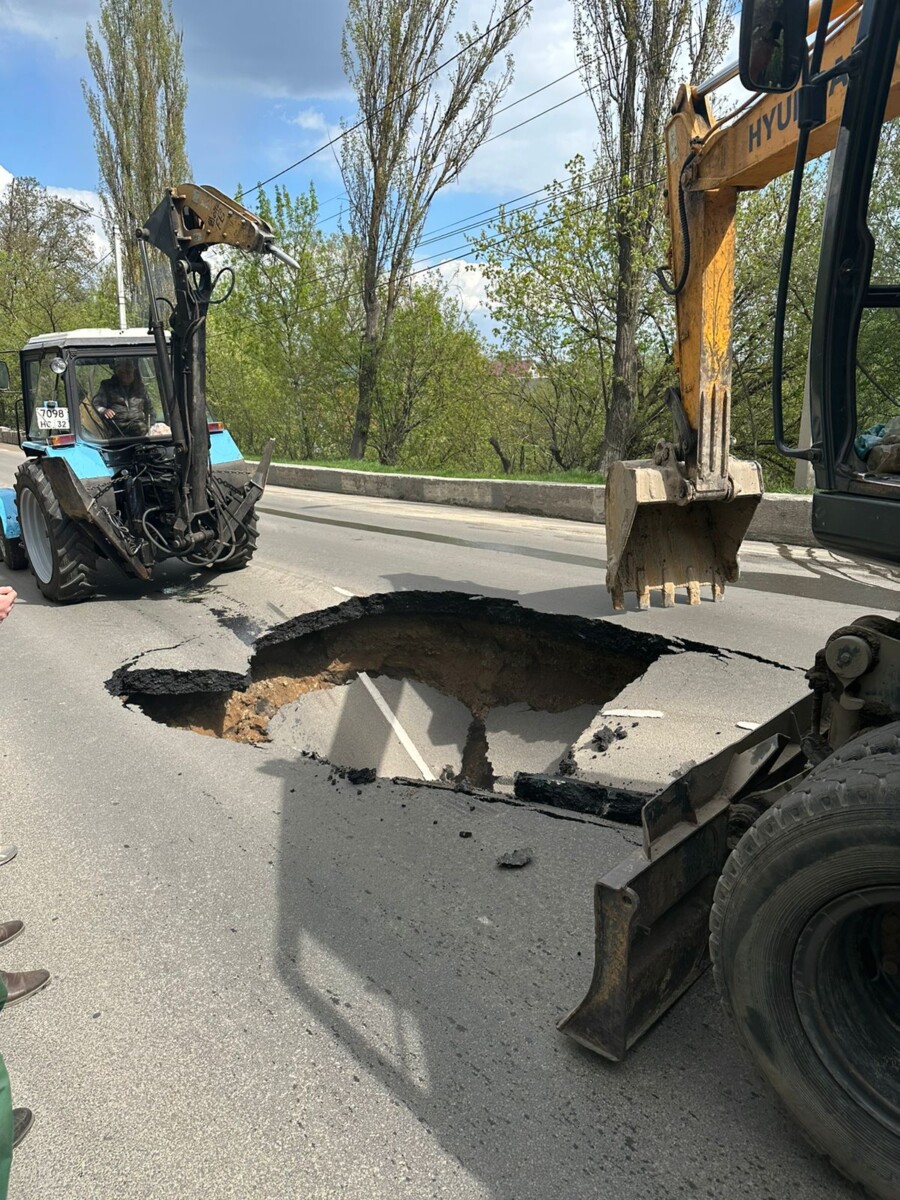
<point x="780" y="518"/>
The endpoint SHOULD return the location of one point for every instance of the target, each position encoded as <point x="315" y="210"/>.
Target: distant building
<point x="519" y="368"/>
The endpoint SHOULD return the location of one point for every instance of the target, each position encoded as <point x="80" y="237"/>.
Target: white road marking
<point x="402" y="736"/>
<point x="342" y="591"/>
<point x="751" y="725"/>
<point x="632" y="712"/>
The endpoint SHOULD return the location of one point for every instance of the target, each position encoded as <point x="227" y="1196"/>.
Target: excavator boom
<point x="678" y="520"/>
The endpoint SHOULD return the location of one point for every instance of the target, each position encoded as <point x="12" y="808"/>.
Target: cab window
<point x="119" y="398"/>
<point x="49" y="412"/>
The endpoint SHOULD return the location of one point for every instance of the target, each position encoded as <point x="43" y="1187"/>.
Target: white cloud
<point x="60" y="22"/>
<point x="467" y="281"/>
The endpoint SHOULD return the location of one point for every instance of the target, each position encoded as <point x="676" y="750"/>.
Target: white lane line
<point x="632" y="712"/>
<point x="402" y="736"/>
<point x="342" y="591"/>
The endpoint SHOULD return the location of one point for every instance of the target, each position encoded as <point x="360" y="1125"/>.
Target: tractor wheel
<point x="805" y="943"/>
<point x="12" y="553"/>
<point x="61" y="556"/>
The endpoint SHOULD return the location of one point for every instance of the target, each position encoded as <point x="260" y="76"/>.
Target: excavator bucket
<point x="657" y="540"/>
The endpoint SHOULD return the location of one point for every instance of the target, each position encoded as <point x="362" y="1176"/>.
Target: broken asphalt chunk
<point x="361" y="774"/>
<point x="615" y="804"/>
<point x="514" y="858"/>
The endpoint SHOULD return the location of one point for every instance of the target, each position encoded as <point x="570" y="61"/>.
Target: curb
<point x="782" y="519"/>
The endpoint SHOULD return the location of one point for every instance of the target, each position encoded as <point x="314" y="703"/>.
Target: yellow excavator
<point x="779" y="859"/>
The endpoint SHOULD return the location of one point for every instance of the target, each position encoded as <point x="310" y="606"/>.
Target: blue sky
<point x="267" y="87"/>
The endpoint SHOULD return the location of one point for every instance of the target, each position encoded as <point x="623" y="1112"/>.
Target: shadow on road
<point x="440" y="977"/>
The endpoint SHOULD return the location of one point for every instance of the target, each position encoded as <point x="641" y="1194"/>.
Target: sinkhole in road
<point x="441" y="685"/>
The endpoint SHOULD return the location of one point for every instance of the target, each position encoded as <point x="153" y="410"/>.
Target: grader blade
<point x="661" y="535"/>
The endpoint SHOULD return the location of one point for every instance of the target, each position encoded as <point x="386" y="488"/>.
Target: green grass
<point x="352" y="464"/>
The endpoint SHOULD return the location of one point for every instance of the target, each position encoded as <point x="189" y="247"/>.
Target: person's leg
<point x="6" y="1130"/>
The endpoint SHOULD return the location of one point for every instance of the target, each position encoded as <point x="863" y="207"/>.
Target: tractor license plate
<point x="52" y="418"/>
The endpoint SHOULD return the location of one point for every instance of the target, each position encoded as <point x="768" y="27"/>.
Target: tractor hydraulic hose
<point x="787" y="255"/>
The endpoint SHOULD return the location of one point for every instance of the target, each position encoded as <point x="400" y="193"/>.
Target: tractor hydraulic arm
<point x="190" y="220"/>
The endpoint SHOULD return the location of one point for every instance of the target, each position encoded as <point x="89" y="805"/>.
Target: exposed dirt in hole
<point x="484" y="652"/>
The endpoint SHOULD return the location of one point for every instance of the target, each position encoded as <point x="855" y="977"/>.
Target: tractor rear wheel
<point x="805" y="943"/>
<point x="62" y="557"/>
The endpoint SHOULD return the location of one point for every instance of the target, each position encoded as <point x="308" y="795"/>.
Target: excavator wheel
<point x="61" y="556"/>
<point x="805" y="943"/>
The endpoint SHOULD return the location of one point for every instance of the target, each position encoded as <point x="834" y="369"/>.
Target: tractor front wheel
<point x="62" y="557"/>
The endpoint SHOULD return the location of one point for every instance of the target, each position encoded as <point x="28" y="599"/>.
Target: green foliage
<point x="48" y="276"/>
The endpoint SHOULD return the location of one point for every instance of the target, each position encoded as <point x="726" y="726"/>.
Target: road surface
<point x="270" y="983"/>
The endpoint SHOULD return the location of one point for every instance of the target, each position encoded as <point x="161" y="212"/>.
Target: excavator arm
<point x="190" y="220"/>
<point x="678" y="520"/>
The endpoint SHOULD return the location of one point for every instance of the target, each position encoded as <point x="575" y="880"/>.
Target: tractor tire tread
<point x="75" y="557"/>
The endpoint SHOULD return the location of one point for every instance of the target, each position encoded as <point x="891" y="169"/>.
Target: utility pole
<point x="120" y="282"/>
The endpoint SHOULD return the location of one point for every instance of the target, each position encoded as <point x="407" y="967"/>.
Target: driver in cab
<point x="123" y="402"/>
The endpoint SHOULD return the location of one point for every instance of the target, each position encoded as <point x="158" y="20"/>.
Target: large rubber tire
<point x="61" y="556"/>
<point x="805" y="943"/>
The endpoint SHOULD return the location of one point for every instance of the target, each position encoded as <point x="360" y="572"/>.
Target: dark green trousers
<point x="6" y="1130"/>
<point x="6" y="1118"/>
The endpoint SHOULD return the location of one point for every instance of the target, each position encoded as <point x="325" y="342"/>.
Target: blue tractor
<point x="123" y="460"/>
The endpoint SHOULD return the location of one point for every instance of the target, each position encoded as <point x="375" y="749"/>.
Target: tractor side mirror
<point x="773" y="44"/>
<point x="4" y="377"/>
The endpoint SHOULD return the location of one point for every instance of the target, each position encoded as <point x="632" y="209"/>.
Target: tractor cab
<point x="96" y="386"/>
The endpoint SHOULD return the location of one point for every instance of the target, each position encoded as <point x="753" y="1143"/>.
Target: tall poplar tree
<point x="137" y="112"/>
<point x="416" y="131"/>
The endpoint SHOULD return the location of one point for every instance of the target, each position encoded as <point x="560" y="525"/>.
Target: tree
<point x="281" y="351"/>
<point x="434" y="377"/>
<point x="137" y="112"/>
<point x="48" y="275"/>
<point x="46" y="261"/>
<point x="413" y="137"/>
<point x="631" y="53"/>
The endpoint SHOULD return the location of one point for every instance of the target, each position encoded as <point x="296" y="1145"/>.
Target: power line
<point x="537" y="91"/>
<point x="512" y="129"/>
<point x="491" y="242"/>
<point x="430" y="75"/>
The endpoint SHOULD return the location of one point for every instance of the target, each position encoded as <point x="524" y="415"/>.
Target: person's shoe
<point x="8" y="853"/>
<point x="21" y="984"/>
<point x="23" y="1119"/>
<point x="9" y="930"/>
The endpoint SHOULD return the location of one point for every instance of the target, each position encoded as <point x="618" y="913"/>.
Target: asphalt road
<point x="270" y="985"/>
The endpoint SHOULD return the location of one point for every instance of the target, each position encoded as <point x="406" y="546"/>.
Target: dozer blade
<point x="652" y="911"/>
<point x="657" y="542"/>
